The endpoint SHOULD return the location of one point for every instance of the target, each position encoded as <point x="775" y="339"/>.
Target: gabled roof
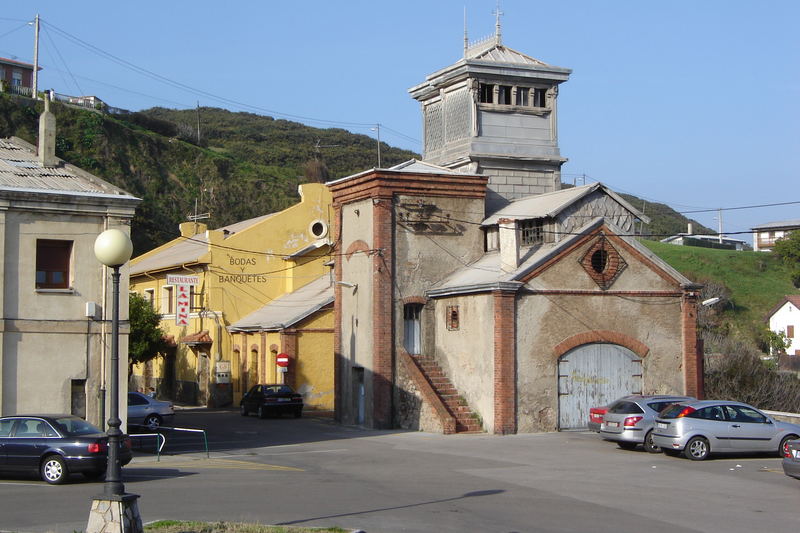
<point x="20" y="170"/>
<point x="289" y="309"/>
<point x="783" y="224"/>
<point x="794" y="299"/>
<point x="491" y="50"/>
<point x="184" y="250"/>
<point x="486" y="274"/>
<point x="552" y="203"/>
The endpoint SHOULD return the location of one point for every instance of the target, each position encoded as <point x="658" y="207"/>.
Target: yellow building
<point x="234" y="298"/>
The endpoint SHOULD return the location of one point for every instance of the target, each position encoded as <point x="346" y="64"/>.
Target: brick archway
<point x="603" y="337"/>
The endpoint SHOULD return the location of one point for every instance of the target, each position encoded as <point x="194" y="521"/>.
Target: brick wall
<point x="505" y="363"/>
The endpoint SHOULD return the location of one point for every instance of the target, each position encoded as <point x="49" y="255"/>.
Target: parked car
<point x="791" y="459"/>
<point x="700" y="428"/>
<point x="145" y="411"/>
<point x="629" y="421"/>
<point x="55" y="446"/>
<point x="596" y="417"/>
<point x="271" y="399"/>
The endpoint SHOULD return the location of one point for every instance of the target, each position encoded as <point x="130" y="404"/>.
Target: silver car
<point x="629" y="421"/>
<point x="148" y="412"/>
<point x="703" y="427"/>
<point x="791" y="459"/>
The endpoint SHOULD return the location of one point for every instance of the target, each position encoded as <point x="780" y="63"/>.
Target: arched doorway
<point x="591" y="375"/>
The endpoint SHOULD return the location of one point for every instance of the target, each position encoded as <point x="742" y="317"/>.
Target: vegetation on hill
<point x="664" y="221"/>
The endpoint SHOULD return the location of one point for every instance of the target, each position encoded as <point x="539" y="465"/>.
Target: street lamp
<point x="113" y="248"/>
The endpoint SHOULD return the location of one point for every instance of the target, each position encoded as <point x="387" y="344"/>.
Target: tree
<point x="146" y="340"/>
<point x="788" y="248"/>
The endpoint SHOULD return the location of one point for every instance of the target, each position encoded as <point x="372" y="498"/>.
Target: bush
<point x="741" y="375"/>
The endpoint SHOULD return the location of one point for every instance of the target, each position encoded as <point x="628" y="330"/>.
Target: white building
<point x="55" y="303"/>
<point x="784" y="318"/>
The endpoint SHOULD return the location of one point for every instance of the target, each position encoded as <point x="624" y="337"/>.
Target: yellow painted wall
<point x="314" y="372"/>
<point x="240" y="272"/>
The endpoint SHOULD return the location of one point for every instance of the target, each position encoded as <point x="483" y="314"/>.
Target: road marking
<point x="227" y="464"/>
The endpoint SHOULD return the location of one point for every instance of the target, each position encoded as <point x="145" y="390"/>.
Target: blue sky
<point x="690" y="103"/>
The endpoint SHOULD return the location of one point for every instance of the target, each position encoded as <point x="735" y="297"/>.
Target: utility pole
<point x="198" y="122"/>
<point x="35" y="94"/>
<point x="719" y="219"/>
<point x="378" y="129"/>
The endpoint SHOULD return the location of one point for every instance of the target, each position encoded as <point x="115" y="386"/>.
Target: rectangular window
<point x="523" y="94"/>
<point x="52" y="264"/>
<point x="452" y="317"/>
<point x="168" y="301"/>
<point x="486" y="93"/>
<point x="149" y="296"/>
<point x="504" y="95"/>
<point x="16" y="78"/>
<point x="790" y="332"/>
<point x="539" y="98"/>
<point x="531" y="232"/>
<point x="412" y="337"/>
<point x="492" y="239"/>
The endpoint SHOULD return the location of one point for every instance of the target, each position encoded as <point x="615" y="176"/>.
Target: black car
<point x="272" y="399"/>
<point x="55" y="446"/>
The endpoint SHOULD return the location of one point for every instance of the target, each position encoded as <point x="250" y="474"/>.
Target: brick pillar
<point x="505" y="363"/>
<point x="692" y="367"/>
<point x="382" y="313"/>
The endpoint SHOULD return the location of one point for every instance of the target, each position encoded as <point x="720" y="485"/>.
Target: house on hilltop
<point x="473" y="293"/>
<point x="765" y="235"/>
<point x="56" y="296"/>
<point x="16" y="77"/>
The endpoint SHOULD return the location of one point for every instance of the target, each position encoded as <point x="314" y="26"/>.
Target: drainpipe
<point x="102" y="392"/>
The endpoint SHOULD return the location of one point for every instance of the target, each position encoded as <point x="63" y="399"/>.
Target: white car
<point x="148" y="412"/>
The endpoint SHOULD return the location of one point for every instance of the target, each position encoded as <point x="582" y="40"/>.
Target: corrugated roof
<point x="289" y="309"/>
<point x="497" y="53"/>
<point x="20" y="170"/>
<point x="791" y="224"/>
<point x="552" y="203"/>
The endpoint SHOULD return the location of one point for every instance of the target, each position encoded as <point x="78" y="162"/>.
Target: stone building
<point x="55" y="301"/>
<point x="473" y="292"/>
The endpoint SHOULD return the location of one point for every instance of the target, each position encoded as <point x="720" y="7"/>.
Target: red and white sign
<point x="282" y="360"/>
<point x="183" y="304"/>
<point x="177" y="279"/>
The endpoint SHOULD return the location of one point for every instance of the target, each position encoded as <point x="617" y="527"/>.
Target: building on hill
<point x="765" y="235"/>
<point x="238" y="284"/>
<point x="785" y="318"/>
<point x="56" y="298"/>
<point x="705" y="241"/>
<point x="16" y="77"/>
<point x="472" y="293"/>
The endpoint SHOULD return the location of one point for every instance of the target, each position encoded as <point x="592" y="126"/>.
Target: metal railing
<point x="161" y="439"/>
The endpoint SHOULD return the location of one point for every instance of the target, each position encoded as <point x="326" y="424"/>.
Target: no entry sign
<point x="282" y="360"/>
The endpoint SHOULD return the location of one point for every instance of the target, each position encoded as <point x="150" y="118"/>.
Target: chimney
<point x="190" y="229"/>
<point x="47" y="136"/>
<point x="690" y="229"/>
<point x="509" y="244"/>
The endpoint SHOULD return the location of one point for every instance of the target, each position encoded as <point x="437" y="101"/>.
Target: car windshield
<point x="73" y="426"/>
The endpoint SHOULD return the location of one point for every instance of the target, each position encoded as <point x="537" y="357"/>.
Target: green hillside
<point x="755" y="281"/>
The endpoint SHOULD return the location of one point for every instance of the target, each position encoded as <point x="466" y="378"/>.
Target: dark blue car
<point x="55" y="446"/>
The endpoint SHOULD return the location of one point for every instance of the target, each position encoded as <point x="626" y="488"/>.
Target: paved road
<point x="312" y="472"/>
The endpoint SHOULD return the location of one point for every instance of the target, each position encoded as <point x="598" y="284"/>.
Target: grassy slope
<point x="756" y="280"/>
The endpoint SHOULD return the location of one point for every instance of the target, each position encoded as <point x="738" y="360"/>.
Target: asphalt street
<point x="312" y="472"/>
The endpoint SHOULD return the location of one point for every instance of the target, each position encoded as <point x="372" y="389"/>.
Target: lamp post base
<point x="115" y="514"/>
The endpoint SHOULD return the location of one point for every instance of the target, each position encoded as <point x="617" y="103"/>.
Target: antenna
<point x="317" y="146"/>
<point x="466" y="39"/>
<point x="198" y="216"/>
<point x="497" y="32"/>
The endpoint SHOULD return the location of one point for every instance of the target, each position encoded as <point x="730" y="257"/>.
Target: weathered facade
<point x="464" y="302"/>
<point x="239" y="321"/>
<point x="56" y="297"/>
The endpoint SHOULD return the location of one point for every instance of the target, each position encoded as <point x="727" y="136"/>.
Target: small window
<point x="16" y="78"/>
<point x="523" y="96"/>
<point x="452" y="317"/>
<point x="52" y="264"/>
<point x="168" y="303"/>
<point x="790" y="332"/>
<point x="599" y="261"/>
<point x="492" y="239"/>
<point x="486" y="93"/>
<point x="504" y="95"/>
<point x="531" y="232"/>
<point x="540" y="98"/>
<point x="412" y="335"/>
<point x="149" y="296"/>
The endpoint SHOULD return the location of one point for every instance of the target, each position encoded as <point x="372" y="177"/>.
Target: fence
<point x="161" y="440"/>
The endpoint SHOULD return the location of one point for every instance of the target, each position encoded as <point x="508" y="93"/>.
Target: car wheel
<point x="262" y="413"/>
<point x="649" y="445"/>
<point x="696" y="449"/>
<point x="243" y="410"/>
<point x="298" y="413"/>
<point x="783" y="449"/>
<point x="54" y="470"/>
<point x="626" y="445"/>
<point x="152" y="422"/>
